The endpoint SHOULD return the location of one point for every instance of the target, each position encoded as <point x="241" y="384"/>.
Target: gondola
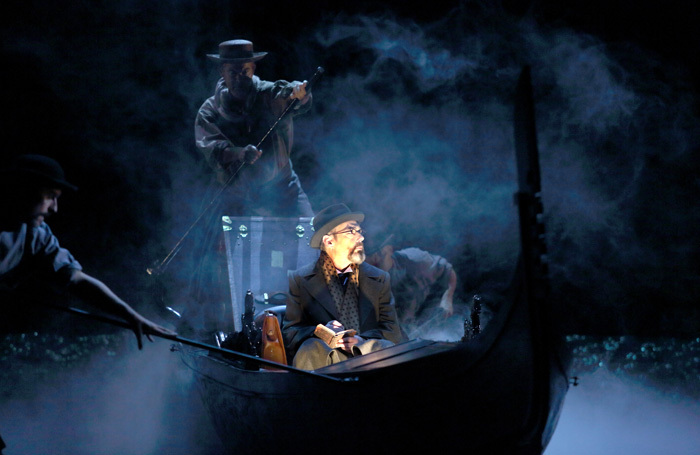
<point x="498" y="391"/>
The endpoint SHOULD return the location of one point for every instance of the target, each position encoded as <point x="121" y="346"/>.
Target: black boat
<point x="499" y="391"/>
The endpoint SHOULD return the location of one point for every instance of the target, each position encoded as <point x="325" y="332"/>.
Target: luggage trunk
<point x="259" y="253"/>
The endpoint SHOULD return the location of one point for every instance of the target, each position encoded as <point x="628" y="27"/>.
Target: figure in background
<point x="231" y="123"/>
<point x="33" y="266"/>
<point x="257" y="178"/>
<point x="339" y="291"/>
<point x="423" y="284"/>
<point x="31" y="260"/>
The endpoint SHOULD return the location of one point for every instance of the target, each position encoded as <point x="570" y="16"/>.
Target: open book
<point x="331" y="337"/>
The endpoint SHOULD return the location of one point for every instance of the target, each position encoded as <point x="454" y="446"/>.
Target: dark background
<point x="412" y="123"/>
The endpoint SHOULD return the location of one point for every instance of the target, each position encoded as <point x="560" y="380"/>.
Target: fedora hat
<point x="330" y="217"/>
<point x="37" y="169"/>
<point x="236" y="51"/>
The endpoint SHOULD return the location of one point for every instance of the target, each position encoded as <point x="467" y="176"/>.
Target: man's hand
<point x="299" y="92"/>
<point x="96" y="293"/>
<point x="347" y="343"/>
<point x="142" y="326"/>
<point x="248" y="154"/>
<point x="446" y="304"/>
<point x="446" y="300"/>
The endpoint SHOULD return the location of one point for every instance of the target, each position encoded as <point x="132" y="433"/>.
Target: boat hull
<point x="479" y="396"/>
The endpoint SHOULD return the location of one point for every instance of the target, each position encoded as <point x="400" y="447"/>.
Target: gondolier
<point x="31" y="258"/>
<point x="338" y="291"/>
<point x="235" y="118"/>
<point x="251" y="165"/>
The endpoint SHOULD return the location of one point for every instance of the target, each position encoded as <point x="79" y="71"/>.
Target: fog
<point x="117" y="400"/>
<point x="610" y="413"/>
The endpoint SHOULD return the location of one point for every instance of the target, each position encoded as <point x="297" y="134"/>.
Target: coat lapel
<point x="370" y="288"/>
<point x="318" y="289"/>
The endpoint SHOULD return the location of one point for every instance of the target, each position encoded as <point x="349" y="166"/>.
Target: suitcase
<point x="259" y="253"/>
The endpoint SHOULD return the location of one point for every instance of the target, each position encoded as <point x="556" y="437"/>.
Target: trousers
<point x="314" y="353"/>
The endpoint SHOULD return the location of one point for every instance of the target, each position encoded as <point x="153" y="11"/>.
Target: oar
<point x="197" y="344"/>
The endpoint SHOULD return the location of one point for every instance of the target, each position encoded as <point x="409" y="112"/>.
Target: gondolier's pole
<point x="159" y="267"/>
<point x="197" y="344"/>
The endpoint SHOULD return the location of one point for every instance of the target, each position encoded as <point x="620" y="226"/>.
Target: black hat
<point x="37" y="169"/>
<point x="236" y="51"/>
<point x="330" y="217"/>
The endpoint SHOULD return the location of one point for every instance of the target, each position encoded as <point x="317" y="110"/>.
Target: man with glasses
<point x="339" y="291"/>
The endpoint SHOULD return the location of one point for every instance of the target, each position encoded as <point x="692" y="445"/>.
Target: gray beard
<point x="357" y="257"/>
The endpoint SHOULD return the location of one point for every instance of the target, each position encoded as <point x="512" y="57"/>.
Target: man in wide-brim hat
<point x="230" y="125"/>
<point x="339" y="291"/>
<point x="258" y="177"/>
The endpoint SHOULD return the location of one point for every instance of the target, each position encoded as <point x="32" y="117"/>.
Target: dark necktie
<point x="344" y="278"/>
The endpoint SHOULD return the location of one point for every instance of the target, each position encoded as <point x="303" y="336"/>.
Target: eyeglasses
<point x="351" y="231"/>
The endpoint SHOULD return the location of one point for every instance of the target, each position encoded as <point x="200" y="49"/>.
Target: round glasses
<point x="351" y="232"/>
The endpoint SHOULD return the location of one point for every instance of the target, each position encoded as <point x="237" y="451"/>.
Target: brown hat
<point x="330" y="217"/>
<point x="236" y="51"/>
<point x="38" y="169"/>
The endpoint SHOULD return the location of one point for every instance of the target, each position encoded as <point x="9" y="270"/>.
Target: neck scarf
<point x="346" y="300"/>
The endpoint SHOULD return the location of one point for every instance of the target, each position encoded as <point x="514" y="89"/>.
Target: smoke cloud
<point x="417" y="131"/>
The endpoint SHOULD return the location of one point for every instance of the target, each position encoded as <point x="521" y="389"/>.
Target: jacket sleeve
<point x="281" y="92"/>
<point x="296" y="326"/>
<point x="209" y="138"/>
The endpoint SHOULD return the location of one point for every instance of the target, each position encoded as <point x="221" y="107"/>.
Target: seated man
<point x="341" y="292"/>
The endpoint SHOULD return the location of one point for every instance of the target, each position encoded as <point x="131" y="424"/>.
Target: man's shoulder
<point x="43" y="232"/>
<point x="38" y="235"/>
<point x="304" y="270"/>
<point x="371" y="271"/>
<point x="208" y="110"/>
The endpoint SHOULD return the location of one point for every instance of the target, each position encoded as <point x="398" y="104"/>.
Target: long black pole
<point x="194" y="343"/>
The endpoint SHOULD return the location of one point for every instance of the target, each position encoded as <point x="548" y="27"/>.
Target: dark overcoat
<point x="310" y="303"/>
